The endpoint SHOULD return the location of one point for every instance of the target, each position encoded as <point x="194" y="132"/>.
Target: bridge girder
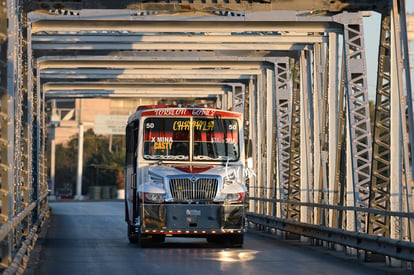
<point x="213" y="7"/>
<point x="221" y="33"/>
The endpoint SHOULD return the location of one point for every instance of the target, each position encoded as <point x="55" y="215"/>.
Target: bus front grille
<point x="201" y="189"/>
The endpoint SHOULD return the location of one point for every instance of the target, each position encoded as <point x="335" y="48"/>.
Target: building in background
<point x="66" y="115"/>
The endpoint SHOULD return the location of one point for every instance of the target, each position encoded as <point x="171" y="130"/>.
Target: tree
<point x="101" y="166"/>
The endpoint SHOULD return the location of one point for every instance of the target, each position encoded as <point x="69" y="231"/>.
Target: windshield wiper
<point x="168" y="157"/>
<point x="151" y="156"/>
<point x="178" y="157"/>
<point x="202" y="157"/>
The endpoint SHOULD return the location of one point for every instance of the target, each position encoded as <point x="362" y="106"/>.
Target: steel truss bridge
<point x="324" y="168"/>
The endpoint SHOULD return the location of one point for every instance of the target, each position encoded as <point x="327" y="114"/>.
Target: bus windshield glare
<point x="170" y="139"/>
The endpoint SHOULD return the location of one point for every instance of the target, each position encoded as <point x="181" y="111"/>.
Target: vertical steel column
<point x="228" y="98"/>
<point x="52" y="159"/>
<point x="270" y="143"/>
<point x="351" y="219"/>
<point x="408" y="82"/>
<point x="80" y="163"/>
<point x="358" y="112"/>
<point x="79" y="172"/>
<point x="406" y="110"/>
<point x="293" y="210"/>
<point x="52" y="135"/>
<point x="238" y="98"/>
<point x="43" y="190"/>
<point x="306" y="116"/>
<point x="261" y="137"/>
<point x="320" y="106"/>
<point x="26" y="159"/>
<point x="252" y="137"/>
<point x="256" y="143"/>
<point x="36" y="116"/>
<point x="283" y="97"/>
<point x="334" y="123"/>
<point x="30" y="119"/>
<point x="380" y="182"/>
<point x="339" y="183"/>
<point x="317" y="141"/>
<point x="18" y="114"/>
<point x="7" y="127"/>
<point x="396" y="136"/>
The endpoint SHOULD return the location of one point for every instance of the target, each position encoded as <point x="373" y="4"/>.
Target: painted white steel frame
<point x="263" y="85"/>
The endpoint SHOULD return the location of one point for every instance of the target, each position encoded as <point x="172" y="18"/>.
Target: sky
<point x="371" y="36"/>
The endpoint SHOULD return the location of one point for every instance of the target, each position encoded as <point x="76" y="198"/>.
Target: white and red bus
<point x="183" y="174"/>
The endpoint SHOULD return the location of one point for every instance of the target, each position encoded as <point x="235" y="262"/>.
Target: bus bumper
<point x="192" y="219"/>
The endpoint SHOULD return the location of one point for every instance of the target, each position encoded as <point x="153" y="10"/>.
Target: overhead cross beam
<point x="230" y="8"/>
<point x="133" y="90"/>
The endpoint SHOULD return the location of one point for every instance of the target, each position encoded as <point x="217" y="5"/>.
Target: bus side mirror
<point x="134" y="181"/>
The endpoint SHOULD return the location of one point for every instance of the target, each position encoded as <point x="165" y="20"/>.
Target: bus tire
<point x="157" y="239"/>
<point x="133" y="236"/>
<point x="145" y="240"/>
<point x="214" y="239"/>
<point x="236" y="240"/>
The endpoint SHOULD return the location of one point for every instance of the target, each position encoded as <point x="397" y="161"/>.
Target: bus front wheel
<point x="133" y="236"/>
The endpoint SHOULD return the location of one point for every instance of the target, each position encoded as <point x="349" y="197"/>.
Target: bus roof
<point x="186" y="111"/>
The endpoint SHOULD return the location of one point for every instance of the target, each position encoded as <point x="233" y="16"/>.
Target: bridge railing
<point x="20" y="257"/>
<point x="398" y="249"/>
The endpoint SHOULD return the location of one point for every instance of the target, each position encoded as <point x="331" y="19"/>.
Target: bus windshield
<point x="213" y="139"/>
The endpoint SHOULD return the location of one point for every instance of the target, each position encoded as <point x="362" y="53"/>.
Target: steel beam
<point x="380" y="182"/>
<point x="358" y="111"/>
<point x="7" y="132"/>
<point x="40" y="41"/>
<point x="293" y="192"/>
<point x="407" y="118"/>
<point x="306" y="135"/>
<point x="131" y="94"/>
<point x="283" y="97"/>
<point x="399" y="138"/>
<point x="126" y="20"/>
<point x="131" y="63"/>
<point x="270" y="142"/>
<point x="334" y="124"/>
<point x="340" y="185"/>
<point x="215" y="7"/>
<point x="396" y="154"/>
<point x="320" y="107"/>
<point x="174" y="46"/>
<point x="181" y="25"/>
<point x="145" y="74"/>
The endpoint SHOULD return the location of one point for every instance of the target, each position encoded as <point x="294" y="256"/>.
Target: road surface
<point x="90" y="238"/>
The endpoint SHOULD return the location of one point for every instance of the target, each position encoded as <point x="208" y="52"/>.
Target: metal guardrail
<point x="338" y="207"/>
<point x="21" y="257"/>
<point x="394" y="248"/>
<point x="399" y="249"/>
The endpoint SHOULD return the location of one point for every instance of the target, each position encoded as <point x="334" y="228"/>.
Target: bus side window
<point x="129" y="145"/>
<point x="135" y="146"/>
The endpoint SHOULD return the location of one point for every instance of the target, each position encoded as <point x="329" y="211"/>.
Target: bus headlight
<point x="151" y="197"/>
<point x="236" y="197"/>
<point x="151" y="193"/>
